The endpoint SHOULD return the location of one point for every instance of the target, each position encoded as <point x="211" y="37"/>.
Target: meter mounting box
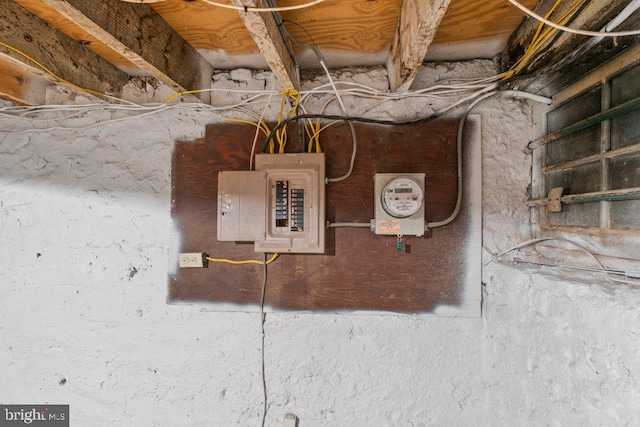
<point x="399" y="204"/>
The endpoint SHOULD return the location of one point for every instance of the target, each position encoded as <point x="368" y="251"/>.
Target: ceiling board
<point x="349" y="32"/>
<point x="207" y="27"/>
<point x="362" y="28"/>
<point x="470" y="20"/>
<point x="365" y="26"/>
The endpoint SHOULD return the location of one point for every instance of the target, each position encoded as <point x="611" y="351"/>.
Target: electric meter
<point x="399" y="204"/>
<point x="402" y="197"/>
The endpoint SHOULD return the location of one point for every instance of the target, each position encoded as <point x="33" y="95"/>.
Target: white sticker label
<point x="389" y="226"/>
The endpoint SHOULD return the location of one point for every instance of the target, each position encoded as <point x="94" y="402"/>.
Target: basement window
<point x="592" y="151"/>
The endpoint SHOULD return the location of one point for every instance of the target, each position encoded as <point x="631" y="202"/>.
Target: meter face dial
<point x="402" y="197"/>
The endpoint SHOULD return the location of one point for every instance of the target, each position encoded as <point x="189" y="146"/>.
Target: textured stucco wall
<point x="85" y="234"/>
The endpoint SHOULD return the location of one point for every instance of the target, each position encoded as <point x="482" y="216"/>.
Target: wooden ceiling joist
<point x="569" y="57"/>
<point x="20" y="83"/>
<point x="139" y="34"/>
<point x="417" y="26"/>
<point x="24" y="81"/>
<point x="272" y="46"/>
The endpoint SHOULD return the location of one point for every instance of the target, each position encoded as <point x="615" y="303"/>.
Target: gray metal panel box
<point x="413" y="225"/>
<point x="242" y="200"/>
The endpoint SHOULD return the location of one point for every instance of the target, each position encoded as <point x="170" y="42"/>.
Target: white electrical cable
<point x="513" y="93"/>
<point x="572" y="30"/>
<point x="351" y="127"/>
<point x="39" y="114"/>
<point x="634" y="274"/>
<point x="601" y="268"/>
<point x="339" y="98"/>
<point x="51" y="113"/>
<point x="21" y="112"/>
<point x="94" y="125"/>
<point x="255" y="137"/>
<point x="490" y="87"/>
<point x="623" y="16"/>
<point x="263" y="9"/>
<point x="348" y="224"/>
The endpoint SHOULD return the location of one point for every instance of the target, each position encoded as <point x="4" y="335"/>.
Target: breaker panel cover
<point x="241" y="206"/>
<point x="295" y="213"/>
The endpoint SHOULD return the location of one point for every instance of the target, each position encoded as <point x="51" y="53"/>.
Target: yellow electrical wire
<point x="308" y="132"/>
<point x="184" y="92"/>
<point x="565" y="17"/>
<point x="248" y="261"/>
<point x="281" y="135"/>
<point x="18" y="51"/>
<point x="263" y="126"/>
<point x="316" y="136"/>
<point x="540" y="38"/>
<point x="313" y="132"/>
<point x="532" y="46"/>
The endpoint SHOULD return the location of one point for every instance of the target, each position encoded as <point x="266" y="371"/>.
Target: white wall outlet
<point x="193" y="260"/>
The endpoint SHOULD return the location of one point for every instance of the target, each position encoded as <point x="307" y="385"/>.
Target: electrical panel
<point x="399" y="204"/>
<point x="280" y="206"/>
<point x="295" y="202"/>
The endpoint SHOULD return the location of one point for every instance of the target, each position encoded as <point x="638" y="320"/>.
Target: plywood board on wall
<point x="360" y="271"/>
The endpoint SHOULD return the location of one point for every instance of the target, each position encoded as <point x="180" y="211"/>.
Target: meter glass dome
<point x="402" y="197"/>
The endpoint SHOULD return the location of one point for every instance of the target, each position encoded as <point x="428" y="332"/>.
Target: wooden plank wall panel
<point x="360" y="270"/>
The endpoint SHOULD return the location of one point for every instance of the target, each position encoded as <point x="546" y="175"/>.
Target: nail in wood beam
<point x="417" y="25"/>
<point x="265" y="33"/>
<point x="62" y="55"/>
<point x="140" y="34"/>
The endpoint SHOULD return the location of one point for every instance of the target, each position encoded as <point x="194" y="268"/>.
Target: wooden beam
<point x="265" y="33"/>
<point x="56" y="20"/>
<point x="138" y="33"/>
<point x="63" y="56"/>
<point x="417" y="25"/>
<point x="570" y="56"/>
<point x="21" y="84"/>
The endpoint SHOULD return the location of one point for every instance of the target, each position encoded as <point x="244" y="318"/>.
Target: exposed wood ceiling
<point x="180" y="42"/>
<point x="350" y="32"/>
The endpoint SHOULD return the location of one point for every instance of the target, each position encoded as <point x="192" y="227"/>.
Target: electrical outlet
<point x="193" y="260"/>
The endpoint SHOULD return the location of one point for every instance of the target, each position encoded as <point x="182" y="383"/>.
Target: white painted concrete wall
<point x="85" y="235"/>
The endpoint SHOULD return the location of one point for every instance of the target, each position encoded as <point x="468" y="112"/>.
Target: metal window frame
<point x="601" y="76"/>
